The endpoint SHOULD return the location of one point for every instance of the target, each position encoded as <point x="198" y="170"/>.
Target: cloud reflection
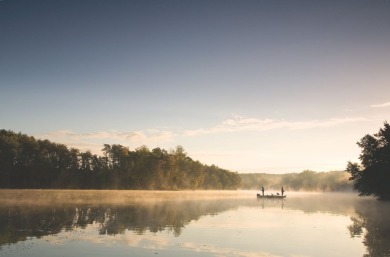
<point x="222" y="251"/>
<point x="88" y="234"/>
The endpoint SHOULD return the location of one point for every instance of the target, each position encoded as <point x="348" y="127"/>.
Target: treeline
<point x="26" y="162"/>
<point x="304" y="181"/>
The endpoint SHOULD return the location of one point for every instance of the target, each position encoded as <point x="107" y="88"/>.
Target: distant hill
<point x="304" y="181"/>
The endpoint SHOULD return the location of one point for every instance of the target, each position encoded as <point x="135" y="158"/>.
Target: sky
<point x="266" y="86"/>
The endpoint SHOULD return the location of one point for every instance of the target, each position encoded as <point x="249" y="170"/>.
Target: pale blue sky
<point x="251" y="86"/>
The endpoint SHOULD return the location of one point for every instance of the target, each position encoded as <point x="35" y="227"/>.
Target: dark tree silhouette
<point x="372" y="176"/>
<point x="29" y="163"/>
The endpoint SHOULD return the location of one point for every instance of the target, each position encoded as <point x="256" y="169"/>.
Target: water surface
<point x="190" y="223"/>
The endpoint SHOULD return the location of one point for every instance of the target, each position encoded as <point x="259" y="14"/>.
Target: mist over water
<point x="44" y="197"/>
<point x="198" y="223"/>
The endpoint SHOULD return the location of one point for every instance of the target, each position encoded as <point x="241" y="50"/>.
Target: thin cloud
<point x="113" y="135"/>
<point x="94" y="141"/>
<point x="133" y="135"/>
<point x="380" y="105"/>
<point x="237" y="124"/>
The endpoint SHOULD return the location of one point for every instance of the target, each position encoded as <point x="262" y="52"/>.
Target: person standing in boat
<point x="282" y="191"/>
<point x="262" y="190"/>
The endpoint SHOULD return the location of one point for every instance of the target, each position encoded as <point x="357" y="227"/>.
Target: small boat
<point x="271" y="196"/>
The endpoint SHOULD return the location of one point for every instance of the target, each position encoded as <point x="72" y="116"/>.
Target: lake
<point x="190" y="223"/>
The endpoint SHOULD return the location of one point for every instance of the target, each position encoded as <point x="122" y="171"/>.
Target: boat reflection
<point x="271" y="202"/>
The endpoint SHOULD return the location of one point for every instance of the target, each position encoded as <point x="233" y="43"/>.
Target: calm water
<point x="190" y="223"/>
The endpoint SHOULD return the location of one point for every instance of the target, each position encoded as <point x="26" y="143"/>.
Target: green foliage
<point x="29" y="163"/>
<point x="304" y="181"/>
<point x="372" y="176"/>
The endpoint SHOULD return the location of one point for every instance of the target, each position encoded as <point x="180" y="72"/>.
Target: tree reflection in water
<point x="373" y="222"/>
<point x="22" y="220"/>
<point x="18" y="223"/>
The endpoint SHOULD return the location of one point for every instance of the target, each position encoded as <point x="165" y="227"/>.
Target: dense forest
<point x="26" y="162"/>
<point x="304" y="181"/>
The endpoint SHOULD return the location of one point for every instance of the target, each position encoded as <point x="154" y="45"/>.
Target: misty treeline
<point x="304" y="181"/>
<point x="26" y="162"/>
